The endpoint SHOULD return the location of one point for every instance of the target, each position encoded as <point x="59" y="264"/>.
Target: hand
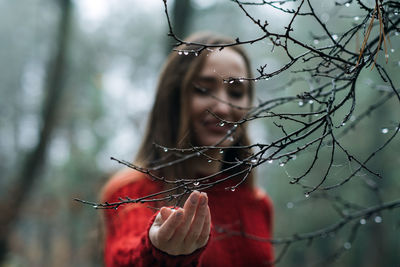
<point x="182" y="231"/>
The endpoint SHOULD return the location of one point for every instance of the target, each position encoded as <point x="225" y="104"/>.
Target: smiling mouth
<point x="215" y="127"/>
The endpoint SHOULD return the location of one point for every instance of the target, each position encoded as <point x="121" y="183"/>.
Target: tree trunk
<point x="11" y="204"/>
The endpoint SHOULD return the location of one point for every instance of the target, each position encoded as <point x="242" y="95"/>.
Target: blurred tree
<point x="35" y="160"/>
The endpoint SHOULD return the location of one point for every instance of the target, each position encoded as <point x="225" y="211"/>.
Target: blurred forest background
<point x="77" y="81"/>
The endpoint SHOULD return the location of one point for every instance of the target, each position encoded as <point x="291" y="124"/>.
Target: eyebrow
<point x="207" y="79"/>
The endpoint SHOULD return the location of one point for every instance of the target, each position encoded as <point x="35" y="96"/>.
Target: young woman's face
<point x="211" y="93"/>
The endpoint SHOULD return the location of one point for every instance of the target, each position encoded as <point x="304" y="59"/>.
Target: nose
<point x="220" y="105"/>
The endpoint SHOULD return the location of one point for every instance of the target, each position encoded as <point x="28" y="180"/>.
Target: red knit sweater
<point x="242" y="221"/>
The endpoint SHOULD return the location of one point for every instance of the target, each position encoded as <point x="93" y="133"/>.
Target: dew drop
<point x="363" y="221"/>
<point x="230" y="138"/>
<point x="196" y="54"/>
<point x="198" y="154"/>
<point x="95" y="206"/>
<point x="196" y="183"/>
<point x="165" y="149"/>
<point x="316" y="41"/>
<point x="306" y="194"/>
<point x="186" y="53"/>
<point x="231" y="81"/>
<point x="270" y="161"/>
<point x="334" y="37"/>
<point x="221" y="151"/>
<point x="396" y="13"/>
<point x="301" y="103"/>
<point x="267" y="79"/>
<point x="396" y="33"/>
<point x="222" y="124"/>
<point x="281" y="164"/>
<point x="241" y="80"/>
<point x="384" y="130"/>
<point x="233" y="189"/>
<point x="378" y="219"/>
<point x="253" y="161"/>
<point x="356" y="18"/>
<point x="209" y="161"/>
<point x="179" y="52"/>
<point x="310" y="102"/>
<point x="290" y="205"/>
<point x="392" y="50"/>
<point x="343" y="123"/>
<point x="347" y="245"/>
<point x="235" y="125"/>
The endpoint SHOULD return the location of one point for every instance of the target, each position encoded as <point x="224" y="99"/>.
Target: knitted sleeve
<point x="127" y="242"/>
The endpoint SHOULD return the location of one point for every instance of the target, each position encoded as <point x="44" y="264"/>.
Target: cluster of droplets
<point x="185" y="52"/>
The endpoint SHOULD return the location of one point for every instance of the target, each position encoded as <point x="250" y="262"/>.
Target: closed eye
<point x="201" y="90"/>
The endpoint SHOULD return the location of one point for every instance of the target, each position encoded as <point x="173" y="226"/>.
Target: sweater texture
<point x="241" y="226"/>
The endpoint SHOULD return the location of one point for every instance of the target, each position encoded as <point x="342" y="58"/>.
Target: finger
<point x="165" y="213"/>
<point x="198" y="220"/>
<point x="205" y="232"/>
<point x="188" y="213"/>
<point x="168" y="228"/>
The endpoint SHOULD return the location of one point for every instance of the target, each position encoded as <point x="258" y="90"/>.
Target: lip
<point x="215" y="127"/>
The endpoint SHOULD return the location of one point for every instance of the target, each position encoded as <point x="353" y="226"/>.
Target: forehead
<point x="225" y="64"/>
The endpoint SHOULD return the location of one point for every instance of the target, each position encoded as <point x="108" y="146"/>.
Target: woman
<point x="197" y="96"/>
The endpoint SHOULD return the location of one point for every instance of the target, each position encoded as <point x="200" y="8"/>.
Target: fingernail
<point x="194" y="197"/>
<point x="203" y="199"/>
<point x="179" y="213"/>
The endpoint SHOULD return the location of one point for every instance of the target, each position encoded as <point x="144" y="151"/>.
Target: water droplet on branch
<point x="165" y="149"/>
<point x="378" y="219"/>
<point x="347" y="245"/>
<point x="301" y="103"/>
<point x="363" y="221"/>
<point x="384" y="130"/>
